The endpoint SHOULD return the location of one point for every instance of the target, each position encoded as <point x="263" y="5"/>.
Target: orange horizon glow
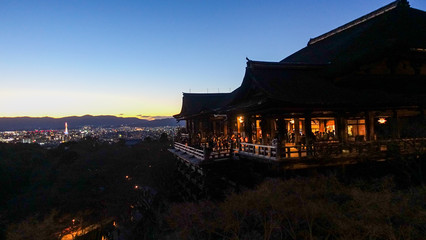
<point x="146" y="117"/>
<point x="58" y="104"/>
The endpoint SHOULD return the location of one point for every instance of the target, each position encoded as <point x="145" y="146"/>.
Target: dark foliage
<point x="78" y="176"/>
<point x="306" y="208"/>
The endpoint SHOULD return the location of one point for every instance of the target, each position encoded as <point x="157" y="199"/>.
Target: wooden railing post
<point x="309" y="134"/>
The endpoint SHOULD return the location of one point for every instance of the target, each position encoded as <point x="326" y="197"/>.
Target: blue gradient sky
<point x="61" y="58"/>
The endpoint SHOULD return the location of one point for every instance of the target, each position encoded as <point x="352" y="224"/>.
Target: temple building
<point x="354" y="90"/>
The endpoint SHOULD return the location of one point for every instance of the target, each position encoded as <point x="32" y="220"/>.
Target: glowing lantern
<point x="382" y="120"/>
<point x="240" y="119"/>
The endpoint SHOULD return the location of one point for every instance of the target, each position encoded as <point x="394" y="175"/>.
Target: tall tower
<point x="66" y="128"/>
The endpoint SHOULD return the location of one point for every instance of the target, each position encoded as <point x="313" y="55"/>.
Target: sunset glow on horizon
<point x="57" y="104"/>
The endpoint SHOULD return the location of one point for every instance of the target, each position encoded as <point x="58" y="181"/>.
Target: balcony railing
<point x="256" y="150"/>
<point x="203" y="154"/>
<point x="270" y="152"/>
<point x="329" y="149"/>
<point x="195" y="152"/>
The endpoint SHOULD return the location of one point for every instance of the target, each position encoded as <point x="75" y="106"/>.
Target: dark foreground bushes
<point x="42" y="191"/>
<point x="307" y="208"/>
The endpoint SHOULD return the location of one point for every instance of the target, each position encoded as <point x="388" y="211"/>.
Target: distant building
<point x="66" y="128"/>
<point x="350" y="90"/>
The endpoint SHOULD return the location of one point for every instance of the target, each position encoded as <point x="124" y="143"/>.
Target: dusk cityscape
<point x="52" y="138"/>
<point x="169" y="120"/>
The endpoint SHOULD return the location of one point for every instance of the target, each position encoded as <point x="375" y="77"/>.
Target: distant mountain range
<point x="43" y="123"/>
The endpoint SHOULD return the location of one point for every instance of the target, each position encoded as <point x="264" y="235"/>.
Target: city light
<point x="52" y="138"/>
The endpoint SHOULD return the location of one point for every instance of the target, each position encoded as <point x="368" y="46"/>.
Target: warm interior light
<point x="292" y="121"/>
<point x="241" y="119"/>
<point x="382" y="120"/>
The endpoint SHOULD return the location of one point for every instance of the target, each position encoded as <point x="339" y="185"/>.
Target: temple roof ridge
<point x="380" y="11"/>
<point x="265" y="64"/>
<point x="202" y="93"/>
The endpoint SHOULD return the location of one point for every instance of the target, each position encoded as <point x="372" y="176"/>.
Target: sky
<point x="135" y="58"/>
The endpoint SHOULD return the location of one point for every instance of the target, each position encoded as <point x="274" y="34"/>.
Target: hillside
<point x="30" y="123"/>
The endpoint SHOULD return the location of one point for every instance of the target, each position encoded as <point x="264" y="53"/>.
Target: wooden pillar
<point x="296" y="130"/>
<point x="231" y="126"/>
<point x="280" y="136"/>
<point x="196" y="126"/>
<point x="248" y="128"/>
<point x="369" y="126"/>
<point x="308" y="128"/>
<point x="341" y="128"/>
<point x="309" y="134"/>
<point x="225" y="128"/>
<point x="264" y="127"/>
<point x="205" y="128"/>
<point x="189" y="130"/>
<point x="395" y="125"/>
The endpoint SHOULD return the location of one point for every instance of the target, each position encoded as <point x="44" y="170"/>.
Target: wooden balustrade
<point x="198" y="153"/>
<point x="316" y="150"/>
<point x="201" y="153"/>
<point x="262" y="151"/>
<point x="333" y="149"/>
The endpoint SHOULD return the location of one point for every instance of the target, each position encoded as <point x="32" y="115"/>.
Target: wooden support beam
<point x="395" y="125"/>
<point x="296" y="130"/>
<point x="369" y="126"/>
<point x="248" y="128"/>
<point x="280" y="136"/>
<point x="265" y="128"/>
<point x="341" y="128"/>
<point x="309" y="135"/>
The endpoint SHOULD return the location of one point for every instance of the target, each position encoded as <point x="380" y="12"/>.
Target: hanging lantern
<point x="240" y="119"/>
<point x="382" y="120"/>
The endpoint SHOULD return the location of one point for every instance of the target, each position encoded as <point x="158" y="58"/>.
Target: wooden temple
<point x="355" y="92"/>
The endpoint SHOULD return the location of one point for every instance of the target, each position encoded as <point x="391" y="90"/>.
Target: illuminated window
<point x="356" y="127"/>
<point x="315" y="126"/>
<point x="330" y="125"/>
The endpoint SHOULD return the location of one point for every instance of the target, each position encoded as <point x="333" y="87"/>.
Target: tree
<point x="163" y="137"/>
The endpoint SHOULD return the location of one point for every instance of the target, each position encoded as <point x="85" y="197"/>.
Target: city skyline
<point x="134" y="59"/>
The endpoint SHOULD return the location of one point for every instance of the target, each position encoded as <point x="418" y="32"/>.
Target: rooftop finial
<point x="403" y="3"/>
